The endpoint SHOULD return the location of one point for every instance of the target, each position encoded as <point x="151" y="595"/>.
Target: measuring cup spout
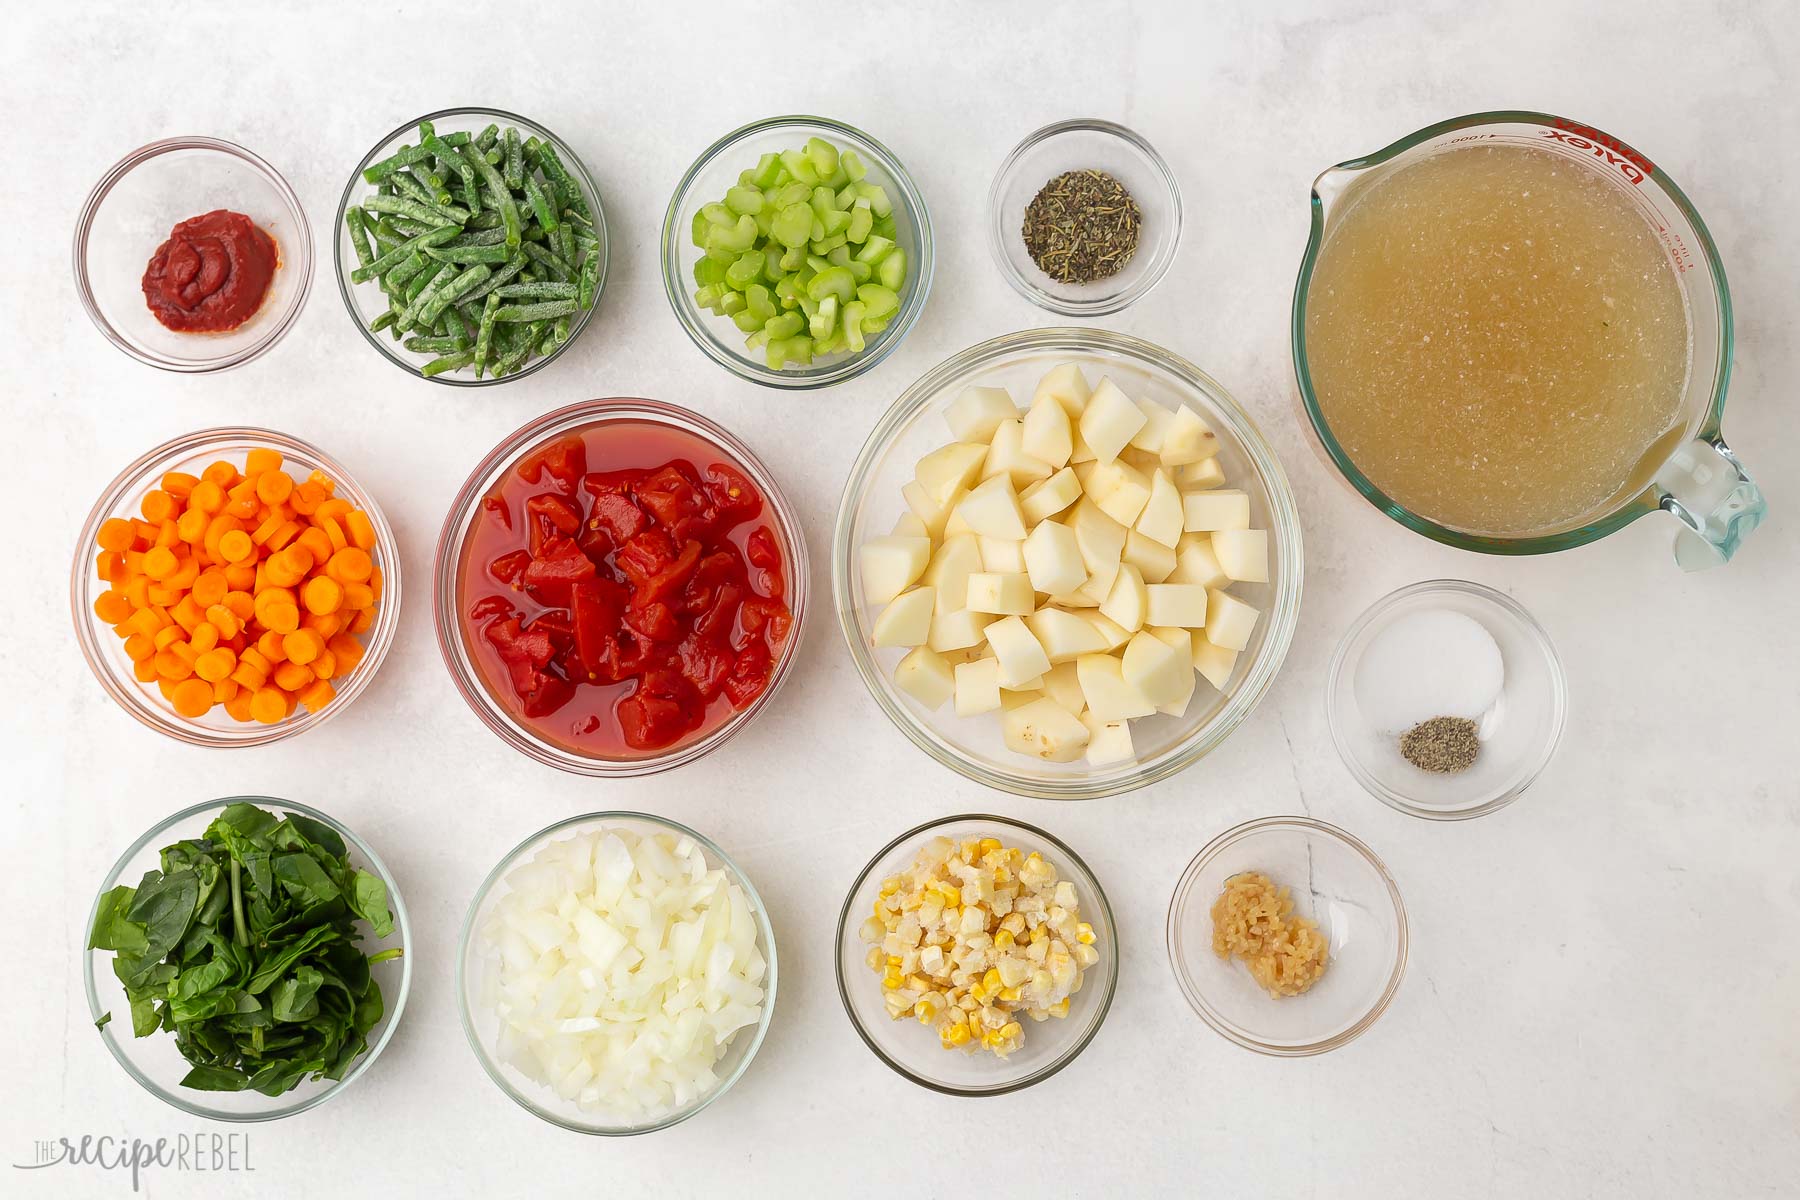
<point x="1330" y="187"/>
<point x="1708" y="490"/>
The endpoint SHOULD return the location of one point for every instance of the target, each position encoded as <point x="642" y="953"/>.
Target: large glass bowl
<point x="474" y="965"/>
<point x="453" y="551"/>
<point x="707" y="180"/>
<point x="914" y="426"/>
<point x="913" y="1050"/>
<point x="365" y="301"/>
<point x="105" y="650"/>
<point x="153" y="1061"/>
<point x="130" y="213"/>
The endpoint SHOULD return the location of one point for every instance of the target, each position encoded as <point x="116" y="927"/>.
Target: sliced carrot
<point x="318" y="694"/>
<point x="347" y="650"/>
<point x="216" y="665"/>
<point x="159" y="563"/>
<point x="365" y="620"/>
<point x="157" y="506"/>
<point x="112" y="607"/>
<point x="268" y="706"/>
<point x="350" y="565"/>
<point x="204" y="637"/>
<point x="291" y="676"/>
<point x="302" y="646"/>
<point x="179" y="484"/>
<point x="116" y="534"/>
<point x="261" y="459"/>
<point x="237" y="547"/>
<point x="324" y="666"/>
<point x="192" y="697"/>
<point x="144" y="670"/>
<point x="139" y="647"/>
<point x="238" y="705"/>
<point x="274" y="486"/>
<point x="171" y="665"/>
<point x="360" y="529"/>
<point x="325" y="625"/>
<point x="322" y="594"/>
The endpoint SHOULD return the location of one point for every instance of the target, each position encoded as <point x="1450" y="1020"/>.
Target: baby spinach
<point x="244" y="946"/>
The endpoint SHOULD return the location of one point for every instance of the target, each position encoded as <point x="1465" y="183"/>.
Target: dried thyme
<point x="1082" y="226"/>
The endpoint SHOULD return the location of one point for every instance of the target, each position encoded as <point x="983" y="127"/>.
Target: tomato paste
<point x="623" y="589"/>
<point x="212" y="274"/>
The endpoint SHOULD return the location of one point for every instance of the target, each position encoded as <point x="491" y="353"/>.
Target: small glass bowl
<point x="365" y="301"/>
<point x="130" y="213"/>
<point x="1518" y="735"/>
<point x="912" y="1049"/>
<point x="154" y="1061"/>
<point x="1335" y="881"/>
<point x="482" y="1027"/>
<point x="717" y="169"/>
<point x="105" y="650"/>
<point x="1073" y="146"/>
<point x="452" y="549"/>
<point x="914" y="426"/>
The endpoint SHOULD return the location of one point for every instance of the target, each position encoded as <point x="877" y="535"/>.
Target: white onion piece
<point x="619" y="967"/>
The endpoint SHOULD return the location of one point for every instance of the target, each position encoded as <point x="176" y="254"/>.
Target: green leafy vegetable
<point x="244" y="946"/>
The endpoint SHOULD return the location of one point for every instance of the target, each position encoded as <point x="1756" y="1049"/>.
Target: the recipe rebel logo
<point x="194" y="1154"/>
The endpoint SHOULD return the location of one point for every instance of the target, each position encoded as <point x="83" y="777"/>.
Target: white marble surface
<point x="1603" y="986"/>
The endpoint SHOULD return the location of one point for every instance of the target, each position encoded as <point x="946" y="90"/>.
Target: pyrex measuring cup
<point x="1689" y="472"/>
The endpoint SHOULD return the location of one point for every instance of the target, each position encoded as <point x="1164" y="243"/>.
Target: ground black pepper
<point x="1442" y="745"/>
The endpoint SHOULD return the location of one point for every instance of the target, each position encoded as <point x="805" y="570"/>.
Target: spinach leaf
<point x="304" y="880"/>
<point x="296" y="998"/>
<point x="112" y="929"/>
<point x="216" y="1079"/>
<point x="163" y="907"/>
<point x="368" y="900"/>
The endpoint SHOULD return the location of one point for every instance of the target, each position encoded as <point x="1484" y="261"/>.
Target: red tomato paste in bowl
<point x="212" y="274"/>
<point x="624" y="589"/>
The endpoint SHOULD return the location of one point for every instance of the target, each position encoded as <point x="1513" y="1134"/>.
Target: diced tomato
<point x="557" y="511"/>
<point x="704" y="663"/>
<point x="610" y="483"/>
<point x="560" y="564"/>
<point x="595" y="542"/>
<point x="734" y="498"/>
<point x="664" y="706"/>
<point x="618" y="515"/>
<point x="655" y="621"/>
<point x="673" y="499"/>
<point x="769" y="618"/>
<point x="509" y="567"/>
<point x="556" y="625"/>
<point x="665" y="583"/>
<point x="714" y="621"/>
<point x="489" y="608"/>
<point x="597" y="608"/>
<point x="748" y="676"/>
<point x="763" y="551"/>
<point x="644" y="555"/>
<point x="550" y="694"/>
<point x="564" y="460"/>
<point x="523" y="652"/>
<point x="497" y="508"/>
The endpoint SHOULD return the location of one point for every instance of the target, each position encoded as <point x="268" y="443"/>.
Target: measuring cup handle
<point x="1707" y="489"/>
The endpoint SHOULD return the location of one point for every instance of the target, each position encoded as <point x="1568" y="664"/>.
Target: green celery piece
<point x="708" y="296"/>
<point x="847" y="197"/>
<point x="792" y="193"/>
<point x="823" y="156"/>
<point x="745" y="271"/>
<point x="892" y="271"/>
<point x="838" y="256"/>
<point x="758" y="339"/>
<point x="836" y="222"/>
<point x="746" y="321"/>
<point x="833" y="281"/>
<point x="825" y="319"/>
<point x="888" y="228"/>
<point x="732" y="303"/>
<point x="825" y="245"/>
<point x="700" y="226"/>
<point x="874" y="325"/>
<point x="794" y="258"/>
<point x="736" y="239"/>
<point x="746" y="178"/>
<point x="877" y="197"/>
<point x="875" y="249"/>
<point x="800" y="167"/>
<point x="793" y="225"/>
<point x="852" y="325"/>
<point x="880" y="301"/>
<point x="822" y="201"/>
<point x="744" y="200"/>
<point x="785" y="326"/>
<point x="861" y="270"/>
<point x="768" y="169"/>
<point x="761" y="305"/>
<point x="800" y="349"/>
<point x="709" y="271"/>
<point x="861" y="222"/>
<point x="853" y="165"/>
<point x="718" y="214"/>
<point x="775" y="353"/>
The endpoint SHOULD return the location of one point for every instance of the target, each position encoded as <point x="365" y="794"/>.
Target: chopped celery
<point x="880" y="301"/>
<point x="853" y="165"/>
<point x="892" y="271"/>
<point x="744" y="200"/>
<point x="793" y="225"/>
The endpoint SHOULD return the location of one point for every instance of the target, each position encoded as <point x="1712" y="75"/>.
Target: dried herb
<point x="1442" y="745"/>
<point x="1082" y="226"/>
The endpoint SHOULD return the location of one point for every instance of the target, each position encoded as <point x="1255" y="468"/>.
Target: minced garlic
<point x="1252" y="920"/>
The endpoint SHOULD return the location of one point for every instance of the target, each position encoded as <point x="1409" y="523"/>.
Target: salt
<point x="1433" y="663"/>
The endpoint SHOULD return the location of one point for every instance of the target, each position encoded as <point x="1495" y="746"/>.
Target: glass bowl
<point x="365" y="301"/>
<point x="154" y="1061"/>
<point x="474" y="965"/>
<point x="717" y="169"/>
<point x="914" y="426"/>
<point x="1073" y="146"/>
<point x="130" y="213"/>
<point x="105" y="650"/>
<point x="1518" y="734"/>
<point x="912" y="1049"/>
<point x="453" y="548"/>
<point x="1335" y="881"/>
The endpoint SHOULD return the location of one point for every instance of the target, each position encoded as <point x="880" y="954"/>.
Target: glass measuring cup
<point x="1689" y="472"/>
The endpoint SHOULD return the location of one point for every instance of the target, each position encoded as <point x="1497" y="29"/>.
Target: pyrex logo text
<point x="1632" y="165"/>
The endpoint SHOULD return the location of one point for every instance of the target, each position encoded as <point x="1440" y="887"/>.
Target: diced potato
<point x="1196" y="563"/>
<point x="1064" y="635"/>
<point x="1229" y="621"/>
<point x="1006" y="456"/>
<point x="1011" y="698"/>
<point x="1109" y="421"/>
<point x="1154" y="561"/>
<point x="992" y="510"/>
<point x="1005" y="595"/>
<point x="1101" y="539"/>
<point x="1109" y="742"/>
<point x="958" y="630"/>
<point x="906" y="621"/>
<point x="926" y="677"/>
<point x="1162" y="518"/>
<point x="974" y="415"/>
<point x="1182" y="605"/>
<point x="1045" y="729"/>
<point x="1047" y="435"/>
<point x="977" y="687"/>
<point x="1127" y="605"/>
<point x="1156" y="669"/>
<point x="909" y="525"/>
<point x="1226" y="508"/>
<point x="1157" y="420"/>
<point x="1099" y="585"/>
<point x="1021" y="657"/>
<point x="1200" y="476"/>
<point x="949" y="570"/>
<point x="1181" y="639"/>
<point x="1001" y="557"/>
<point x="950" y="469"/>
<point x="1243" y="554"/>
<point x="1063" y="685"/>
<point x="1182" y="642"/>
<point x="1119" y="490"/>
<point x="1214" y="663"/>
<point x="891" y="564"/>
<point x="1068" y="385"/>
<point x="932" y="515"/>
<point x="1109" y="696"/>
<point x="1187" y="440"/>
<point x="1053" y="559"/>
<point x="1110" y="633"/>
<point x="1047" y="497"/>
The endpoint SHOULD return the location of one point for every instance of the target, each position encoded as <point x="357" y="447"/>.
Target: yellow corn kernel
<point x="1010" y="995"/>
<point x="925" y="1011"/>
<point x="957" y="1035"/>
<point x="1002" y="875"/>
<point x="1011" y="1030"/>
<point x="873" y="958"/>
<point x="1084" y="933"/>
<point x="1060" y="1008"/>
<point x="988" y="845"/>
<point x="1003" y="940"/>
<point x="892" y="979"/>
<point x="1039" y="934"/>
<point x="991" y="981"/>
<point x="890" y="885"/>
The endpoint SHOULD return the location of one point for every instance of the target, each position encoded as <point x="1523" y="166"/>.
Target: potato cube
<point x="1109" y="697"/>
<point x="1000" y="556"/>
<point x="1243" y="554"/>
<point x="1053" y="559"/>
<point x="977" y="687"/>
<point x="891" y="564"/>
<point x="1006" y="456"/>
<point x="1063" y="685"/>
<point x="1047" y="497"/>
<point x="1068" y="385"/>
<point x="1196" y="563"/>
<point x="1109" y="421"/>
<point x="1157" y="420"/>
<point x="1064" y="635"/>
<point x="1182" y="605"/>
<point x="1162" y="518"/>
<point x="1044" y="729"/>
<point x="1226" y="508"/>
<point x="974" y="415"/>
<point x="906" y="621"/>
<point x="1109" y="742"/>
<point x="990" y="592"/>
<point x="1119" y="490"/>
<point x="1127" y="604"/>
<point x="1021" y="657"/>
<point x="1187" y="439"/>
<point x="1156" y="669"/>
<point x="992" y="510"/>
<point x="949" y="570"/>
<point x="1154" y="561"/>
<point x="1200" y="476"/>
<point x="958" y="630"/>
<point x="1229" y="621"/>
<point x="950" y="469"/>
<point x="1047" y="434"/>
<point x="1214" y="663"/>
<point x="926" y="677"/>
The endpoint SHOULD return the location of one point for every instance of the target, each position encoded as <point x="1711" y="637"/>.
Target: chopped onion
<point x="620" y="967"/>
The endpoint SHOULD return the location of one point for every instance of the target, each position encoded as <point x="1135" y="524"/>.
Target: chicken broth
<point x="1497" y="338"/>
